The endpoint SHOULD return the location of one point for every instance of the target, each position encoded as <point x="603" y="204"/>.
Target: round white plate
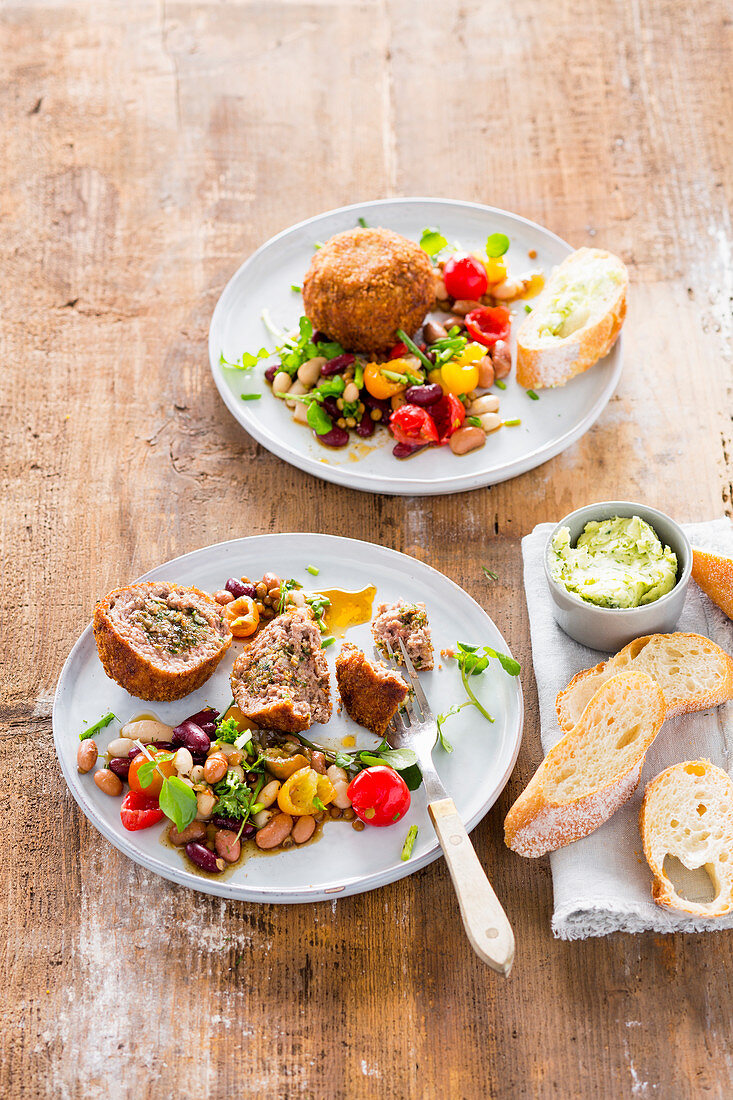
<point x="264" y="281"/>
<point x="342" y="861"/>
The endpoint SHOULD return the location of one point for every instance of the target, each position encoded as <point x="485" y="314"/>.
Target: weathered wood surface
<point x="145" y="149"/>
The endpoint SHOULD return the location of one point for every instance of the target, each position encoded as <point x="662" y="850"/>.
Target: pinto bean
<point x="303" y="829"/>
<point x="467" y="439"/>
<point x="195" y="831"/>
<point x="108" y="782"/>
<point x="485" y="372"/>
<point x="227" y="845"/>
<point x="215" y="767"/>
<point x="318" y="762"/>
<point x="433" y="330"/>
<point x="501" y="356"/>
<point x="274" y="832"/>
<point x="86" y="756"/>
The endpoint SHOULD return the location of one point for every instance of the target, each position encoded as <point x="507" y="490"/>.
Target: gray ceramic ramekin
<point x="610" y="629"/>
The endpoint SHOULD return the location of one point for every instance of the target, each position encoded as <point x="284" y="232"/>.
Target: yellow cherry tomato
<point x="436" y="375"/>
<point x="470" y="354"/>
<point x="495" y="269"/>
<point x="459" y="378"/>
<point x="379" y="386"/>
<point x="298" y="793"/>
<point x="242" y="616"/>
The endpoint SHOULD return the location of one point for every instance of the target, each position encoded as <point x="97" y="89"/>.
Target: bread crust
<point x="139" y="675"/>
<point x="541" y="366"/>
<point x="625" y="659"/>
<point x="714" y="574"/>
<point x="676" y="791"/>
<point x="539" y="821"/>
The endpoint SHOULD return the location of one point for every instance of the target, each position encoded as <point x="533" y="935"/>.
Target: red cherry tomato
<point x="398" y="351"/>
<point x="379" y="796"/>
<point x="448" y="414"/>
<point x="465" y="277"/>
<point x="139" y="811"/>
<point x="489" y="324"/>
<point x="411" y="424"/>
<point x="165" y="764"/>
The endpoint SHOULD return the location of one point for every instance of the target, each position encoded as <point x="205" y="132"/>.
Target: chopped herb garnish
<point x="490" y="573"/>
<point x="286" y="587"/>
<point x="318" y="804"/>
<point x="409" y="843"/>
<point x="533" y="395"/>
<point x="432" y="241"/>
<point x="497" y="245"/>
<point x="295" y="288"/>
<point x="473" y="421"/>
<point x="100" y="725"/>
<point x="227" y="731"/>
<point x="512" y="423"/>
<point x="528" y="309"/>
<point x="313" y="570"/>
<point x="251" y="396"/>
<point x="415" y="349"/>
<point x="318" y="605"/>
<point x="317" y="245"/>
<point x="448" y="347"/>
<point x="362" y="223"/>
<point x="501" y="383"/>
<point x="327" y="642"/>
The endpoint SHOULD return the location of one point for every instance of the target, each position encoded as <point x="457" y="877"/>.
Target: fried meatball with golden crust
<point x="371" y="693"/>
<point x="365" y="284"/>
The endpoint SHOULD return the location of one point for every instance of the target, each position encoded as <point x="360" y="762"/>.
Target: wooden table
<point x="145" y="150"/>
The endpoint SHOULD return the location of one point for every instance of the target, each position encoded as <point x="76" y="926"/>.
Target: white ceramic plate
<point x="342" y="861"/>
<point x="264" y="281"/>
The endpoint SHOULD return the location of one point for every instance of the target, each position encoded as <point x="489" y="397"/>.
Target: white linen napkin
<point x="602" y="883"/>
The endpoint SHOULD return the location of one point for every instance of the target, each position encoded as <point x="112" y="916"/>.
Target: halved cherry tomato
<point x="242" y="616"/>
<point x="489" y="324"/>
<point x="379" y="386"/>
<point x="164" y="760"/>
<point x="379" y="796"/>
<point x="411" y="424"/>
<point x="139" y="811"/>
<point x="448" y="414"/>
<point x="398" y="351"/>
<point x="496" y="269"/>
<point x="459" y="377"/>
<point x="298" y="792"/>
<point x="465" y="277"/>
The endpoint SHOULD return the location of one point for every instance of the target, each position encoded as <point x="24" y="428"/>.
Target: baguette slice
<point x="575" y="320"/>
<point x="715" y="576"/>
<point x="693" y="673"/>
<point x="687" y="813"/>
<point x="592" y="771"/>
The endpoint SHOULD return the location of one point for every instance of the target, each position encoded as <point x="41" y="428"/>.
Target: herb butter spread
<point x="617" y="562"/>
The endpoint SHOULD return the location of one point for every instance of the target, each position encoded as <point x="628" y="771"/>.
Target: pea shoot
<point x="472" y="661"/>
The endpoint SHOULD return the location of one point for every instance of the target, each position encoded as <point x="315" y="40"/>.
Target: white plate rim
<point x="401" y="486"/>
<point x="291" y="895"/>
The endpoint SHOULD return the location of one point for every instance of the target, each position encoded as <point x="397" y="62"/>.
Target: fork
<point x="486" y="923"/>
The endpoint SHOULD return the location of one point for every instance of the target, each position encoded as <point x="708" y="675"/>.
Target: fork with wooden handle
<point x="484" y="919"/>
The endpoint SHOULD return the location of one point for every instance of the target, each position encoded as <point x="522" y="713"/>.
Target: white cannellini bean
<point x="490" y="422"/>
<point x="351" y="393"/>
<point x="146" y="730"/>
<point x="120" y="746"/>
<point x="197" y="773"/>
<point x="298" y="389"/>
<point x="300" y="413"/>
<point x="489" y="403"/>
<point x="183" y="762"/>
<point x="205" y="802"/>
<point x="340" y="781"/>
<point x="227" y="749"/>
<point x="310" y="372"/>
<point x="260" y="819"/>
<point x="507" y="289"/>
<point x="238" y="770"/>
<point x="269" y="793"/>
<point x="281" y="382"/>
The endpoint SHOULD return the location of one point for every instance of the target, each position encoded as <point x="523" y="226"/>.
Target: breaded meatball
<point x="364" y="285"/>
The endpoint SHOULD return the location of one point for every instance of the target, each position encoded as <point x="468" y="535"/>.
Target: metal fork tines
<point x="415" y="727"/>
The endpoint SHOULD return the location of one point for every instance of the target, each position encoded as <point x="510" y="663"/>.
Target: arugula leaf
<point x="177" y="801"/>
<point x="432" y="241"/>
<point x="100" y="725"/>
<point x="496" y="245"/>
<point x="318" y="419"/>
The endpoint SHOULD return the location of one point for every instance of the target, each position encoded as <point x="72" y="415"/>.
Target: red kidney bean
<point x="234" y="824"/>
<point x="319" y="337"/>
<point x="424" y="395"/>
<point x="404" y="450"/>
<point x="162" y="746"/>
<point x="337" y="365"/>
<point x="134" y="751"/>
<point x="337" y="437"/>
<point x="199" y="758"/>
<point x="207" y="717"/>
<point x="191" y="736"/>
<point x="120" y="766"/>
<point x="203" y="858"/>
<point x="331" y="406"/>
<point x="366" y="426"/>
<point x="375" y="402"/>
<point x="237" y="588"/>
<point x="271" y="372"/>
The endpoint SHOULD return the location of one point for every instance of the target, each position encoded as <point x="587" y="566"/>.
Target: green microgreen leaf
<point x="145" y="771"/>
<point x="496" y="245"/>
<point x="318" y="419"/>
<point x="327" y="642"/>
<point x="247" y="361"/>
<point x="362" y="223"/>
<point x="432" y="241"/>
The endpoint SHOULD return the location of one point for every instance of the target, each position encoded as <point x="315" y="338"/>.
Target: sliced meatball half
<point x="281" y="681"/>
<point x="371" y="693"/>
<point x="408" y="621"/>
<point x="160" y="641"/>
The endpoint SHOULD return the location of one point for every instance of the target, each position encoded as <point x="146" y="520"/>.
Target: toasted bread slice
<point x="693" y="673"/>
<point x="687" y="813"/>
<point x="715" y="576"/>
<point x="591" y="771"/>
<point x="575" y="320"/>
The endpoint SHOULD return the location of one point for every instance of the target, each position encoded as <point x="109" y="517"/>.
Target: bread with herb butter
<point x="714" y="574"/>
<point x="693" y="673"/>
<point x="687" y="813"/>
<point x="575" y="320"/>
<point x="591" y="771"/>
